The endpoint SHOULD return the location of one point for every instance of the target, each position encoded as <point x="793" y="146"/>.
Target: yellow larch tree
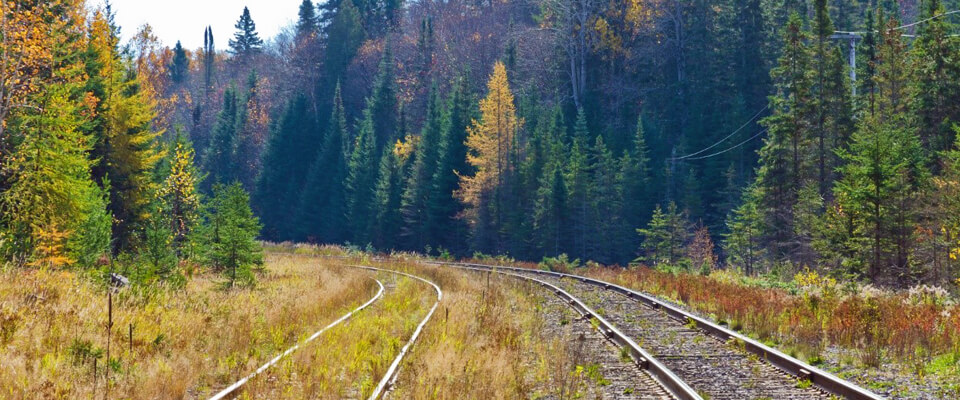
<point x="490" y="142"/>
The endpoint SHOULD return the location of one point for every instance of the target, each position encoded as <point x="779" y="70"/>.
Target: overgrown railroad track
<point x="652" y="380"/>
<point x="716" y="362"/>
<point x="389" y="377"/>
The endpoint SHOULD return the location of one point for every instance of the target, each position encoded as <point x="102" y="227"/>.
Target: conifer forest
<point x="789" y="169"/>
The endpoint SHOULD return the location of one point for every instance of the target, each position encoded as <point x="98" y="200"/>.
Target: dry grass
<point x="186" y="344"/>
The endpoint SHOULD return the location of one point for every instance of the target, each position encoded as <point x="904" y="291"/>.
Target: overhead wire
<point x="729" y="148"/>
<point x="725" y="138"/>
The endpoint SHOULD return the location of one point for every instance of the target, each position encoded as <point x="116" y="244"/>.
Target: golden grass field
<point x="482" y="342"/>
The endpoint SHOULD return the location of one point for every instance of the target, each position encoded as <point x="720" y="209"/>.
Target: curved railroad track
<point x="665" y="378"/>
<point x="715" y="361"/>
<point x="232" y="389"/>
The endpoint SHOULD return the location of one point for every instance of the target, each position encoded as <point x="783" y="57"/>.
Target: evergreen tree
<point x="229" y="235"/>
<point x="250" y="124"/>
<point x="180" y="67"/>
<point x="883" y="175"/>
<point x="448" y="230"/>
<point x="743" y="242"/>
<point x="218" y="161"/>
<point x="388" y="198"/>
<point x="344" y="36"/>
<point x="246" y="41"/>
<point x="307" y="24"/>
<point x="606" y="203"/>
<point x="125" y="144"/>
<point x="420" y="182"/>
<point x="291" y="149"/>
<point x="785" y="163"/>
<point x="665" y="236"/>
<point x="209" y="58"/>
<point x="936" y="79"/>
<point x="382" y="103"/>
<point x="580" y="189"/>
<point x="361" y="182"/>
<point x="322" y="207"/>
<point x="490" y="141"/>
<point x="550" y="214"/>
<point x="635" y="182"/>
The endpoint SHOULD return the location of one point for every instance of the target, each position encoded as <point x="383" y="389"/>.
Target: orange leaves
<point x="49" y="248"/>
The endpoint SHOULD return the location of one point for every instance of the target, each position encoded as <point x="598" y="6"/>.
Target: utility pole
<point x="852" y="37"/>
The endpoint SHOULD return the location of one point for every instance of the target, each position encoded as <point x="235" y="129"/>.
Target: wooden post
<point x="106" y="375"/>
<point x="131" y="340"/>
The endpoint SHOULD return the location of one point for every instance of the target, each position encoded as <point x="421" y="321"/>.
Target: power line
<point x="901" y="27"/>
<point x="727" y="137"/>
<point x="730" y="148"/>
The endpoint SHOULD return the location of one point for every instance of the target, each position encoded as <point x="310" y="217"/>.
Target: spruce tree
<point x="229" y="234"/>
<point x="180" y="67"/>
<point x="936" y="79"/>
<point x="218" y="160"/>
<point x="291" y="149"/>
<point x="307" y="22"/>
<point x="382" y="103"/>
<point x="388" y="197"/>
<point x="179" y="194"/>
<point x="447" y="229"/>
<point x="580" y="190"/>
<point x="344" y="35"/>
<point x="246" y="41"/>
<point x="322" y="207"/>
<point x="418" y="188"/>
<point x="361" y="183"/>
<point x="606" y="203"/>
<point x="125" y="144"/>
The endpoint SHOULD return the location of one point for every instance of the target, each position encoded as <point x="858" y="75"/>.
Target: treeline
<point x="85" y="175"/>
<point x="537" y="128"/>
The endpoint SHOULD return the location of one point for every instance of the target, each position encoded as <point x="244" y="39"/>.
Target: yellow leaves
<point x="49" y="248"/>
<point x="404" y="148"/>
<point x="490" y="140"/>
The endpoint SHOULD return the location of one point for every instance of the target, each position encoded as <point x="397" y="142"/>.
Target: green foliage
<point x="665" y="236"/>
<point x="180" y="66"/>
<point x="227" y="239"/>
<point x="246" y="41"/>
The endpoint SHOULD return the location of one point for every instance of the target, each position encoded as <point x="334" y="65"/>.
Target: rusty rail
<point x="820" y="378"/>
<point x="666" y="378"/>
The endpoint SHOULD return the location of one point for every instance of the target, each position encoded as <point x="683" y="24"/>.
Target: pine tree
<point x="180" y="67"/>
<point x="246" y="41"/>
<point x="665" y="236"/>
<point x="229" y="235"/>
<point x="490" y="142"/>
<point x="218" y="161"/>
<point x="883" y="175"/>
<point x="307" y="24"/>
<point x="890" y="80"/>
<point x="822" y="61"/>
<point x="580" y="189"/>
<point x="209" y="58"/>
<point x="388" y="198"/>
<point x="785" y="158"/>
<point x="322" y="207"/>
<point x="124" y="142"/>
<point x="448" y="230"/>
<point x="634" y="179"/>
<point x="745" y="227"/>
<point x="361" y="182"/>
<point x="936" y="79"/>
<point x="420" y="182"/>
<point x="550" y="213"/>
<point x="382" y="103"/>
<point x="344" y="36"/>
<point x="291" y="149"/>
<point x="251" y="126"/>
<point x="606" y="203"/>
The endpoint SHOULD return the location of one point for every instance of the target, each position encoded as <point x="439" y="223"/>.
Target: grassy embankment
<point x="186" y="343"/>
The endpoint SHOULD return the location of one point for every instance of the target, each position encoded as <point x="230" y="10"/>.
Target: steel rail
<point x="390" y="377"/>
<point x="663" y="375"/>
<point x="822" y="379"/>
<point x="238" y="384"/>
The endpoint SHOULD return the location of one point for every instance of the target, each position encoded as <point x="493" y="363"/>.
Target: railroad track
<point x="716" y="362"/>
<point x="389" y="378"/>
<point x="233" y="389"/>
<point x="670" y="382"/>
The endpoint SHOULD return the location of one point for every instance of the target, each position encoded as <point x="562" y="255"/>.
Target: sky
<point x="185" y="20"/>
